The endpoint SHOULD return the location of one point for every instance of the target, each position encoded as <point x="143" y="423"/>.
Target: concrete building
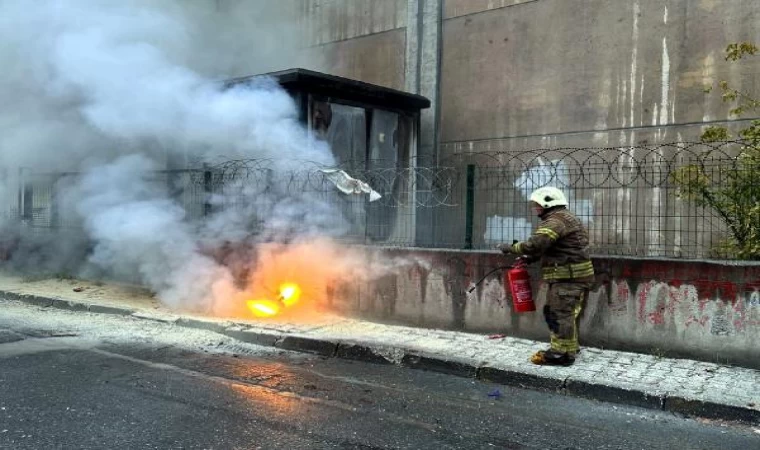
<point x="614" y="78"/>
<point x="507" y="77"/>
<point x="514" y="74"/>
<point x="606" y="81"/>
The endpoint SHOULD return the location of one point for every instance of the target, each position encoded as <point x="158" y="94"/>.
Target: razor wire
<point x="427" y="187"/>
<point x="611" y="167"/>
<point x="626" y="194"/>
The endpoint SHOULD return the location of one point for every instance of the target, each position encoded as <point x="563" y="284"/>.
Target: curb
<point x="434" y="363"/>
<point x="711" y="410"/>
<point x="614" y="394"/>
<point x="378" y="354"/>
<point x="43" y="302"/>
<point x="308" y="345"/>
<point x="520" y="379"/>
<point x="69" y="305"/>
<point x="100" y="309"/>
<point x="252" y="337"/>
<point x="358" y="352"/>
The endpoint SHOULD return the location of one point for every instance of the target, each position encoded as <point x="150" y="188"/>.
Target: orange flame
<point x="290" y="293"/>
<point x="264" y="308"/>
<point x="294" y="279"/>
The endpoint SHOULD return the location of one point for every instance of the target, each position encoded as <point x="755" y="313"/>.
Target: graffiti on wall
<point x="661" y="304"/>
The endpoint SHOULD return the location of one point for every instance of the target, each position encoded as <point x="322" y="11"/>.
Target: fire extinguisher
<point x="518" y="280"/>
<point x="516" y="284"/>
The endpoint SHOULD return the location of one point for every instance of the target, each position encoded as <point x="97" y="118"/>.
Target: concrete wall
<point x="360" y="39"/>
<point x="514" y="75"/>
<point x="393" y="43"/>
<point x="707" y="311"/>
<point x="511" y="74"/>
<point x="552" y="73"/>
<point x="338" y="20"/>
<point x="377" y="58"/>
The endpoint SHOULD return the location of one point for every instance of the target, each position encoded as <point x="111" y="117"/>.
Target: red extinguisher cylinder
<point x="518" y="281"/>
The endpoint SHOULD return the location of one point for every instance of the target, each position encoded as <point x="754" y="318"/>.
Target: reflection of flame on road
<point x="289" y="295"/>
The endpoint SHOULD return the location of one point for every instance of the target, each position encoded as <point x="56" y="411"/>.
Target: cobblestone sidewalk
<point x="678" y="385"/>
<point x="647" y="380"/>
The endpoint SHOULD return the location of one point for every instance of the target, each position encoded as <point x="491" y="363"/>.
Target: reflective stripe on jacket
<point x="561" y="242"/>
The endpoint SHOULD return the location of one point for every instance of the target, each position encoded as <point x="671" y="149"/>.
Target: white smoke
<point x="138" y="230"/>
<point x="117" y="89"/>
<point x="95" y="77"/>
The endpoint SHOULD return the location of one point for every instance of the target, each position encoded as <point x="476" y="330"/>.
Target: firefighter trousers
<point x="564" y="304"/>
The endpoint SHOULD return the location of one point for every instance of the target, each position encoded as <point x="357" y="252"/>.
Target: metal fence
<point x="631" y="198"/>
<point x="685" y="200"/>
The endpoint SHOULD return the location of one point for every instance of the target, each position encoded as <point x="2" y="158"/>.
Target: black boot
<point x="553" y="358"/>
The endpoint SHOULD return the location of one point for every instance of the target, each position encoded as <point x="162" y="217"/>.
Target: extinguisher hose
<point x="469" y="291"/>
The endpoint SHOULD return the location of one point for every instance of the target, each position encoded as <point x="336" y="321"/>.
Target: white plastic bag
<point x="349" y="185"/>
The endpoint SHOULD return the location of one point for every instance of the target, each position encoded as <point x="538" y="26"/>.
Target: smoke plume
<point x="117" y="91"/>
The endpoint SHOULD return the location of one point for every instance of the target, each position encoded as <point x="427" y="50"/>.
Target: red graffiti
<point x="643" y="297"/>
<point x="701" y="321"/>
<point x="619" y="298"/>
<point x="675" y="299"/>
<point x="724" y="290"/>
<point x="711" y="280"/>
<point x="657" y="317"/>
<point x="659" y="301"/>
<point x="622" y="291"/>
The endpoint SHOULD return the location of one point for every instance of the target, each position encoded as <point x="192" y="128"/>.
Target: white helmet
<point x="548" y="197"/>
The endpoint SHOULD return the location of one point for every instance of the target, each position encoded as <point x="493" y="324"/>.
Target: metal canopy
<point x="339" y="88"/>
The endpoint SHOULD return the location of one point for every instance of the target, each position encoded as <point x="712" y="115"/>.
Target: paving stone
<point x="690" y="387"/>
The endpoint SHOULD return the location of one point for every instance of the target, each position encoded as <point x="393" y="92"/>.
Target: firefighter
<point x="561" y="243"/>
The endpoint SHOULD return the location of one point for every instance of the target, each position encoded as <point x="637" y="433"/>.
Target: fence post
<point x="469" y="206"/>
<point x="27" y="196"/>
<point x="206" y="190"/>
<point x="55" y="216"/>
<point x="20" y="203"/>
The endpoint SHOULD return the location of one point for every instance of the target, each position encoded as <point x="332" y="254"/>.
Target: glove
<point x="507" y="248"/>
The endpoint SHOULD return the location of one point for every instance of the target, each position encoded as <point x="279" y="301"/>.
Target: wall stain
<point x="387" y="292"/>
<point x="456" y="279"/>
<point x="645" y="303"/>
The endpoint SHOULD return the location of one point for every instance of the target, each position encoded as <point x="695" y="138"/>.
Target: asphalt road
<point x="82" y="381"/>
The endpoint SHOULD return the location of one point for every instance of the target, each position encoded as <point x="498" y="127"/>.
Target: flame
<point x="285" y="280"/>
<point x="264" y="308"/>
<point x="290" y="293"/>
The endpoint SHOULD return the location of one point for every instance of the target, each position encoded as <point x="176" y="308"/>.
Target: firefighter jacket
<point x="561" y="243"/>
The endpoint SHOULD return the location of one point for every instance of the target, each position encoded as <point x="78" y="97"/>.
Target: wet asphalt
<point x="61" y="390"/>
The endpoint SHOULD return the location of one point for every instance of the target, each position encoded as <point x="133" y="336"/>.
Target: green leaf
<point x="738" y="50"/>
<point x="731" y="190"/>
